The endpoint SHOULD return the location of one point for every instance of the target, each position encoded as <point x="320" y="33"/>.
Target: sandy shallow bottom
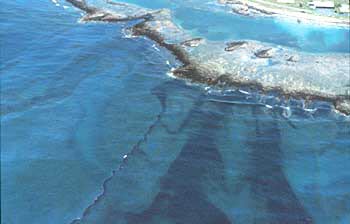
<point x="94" y="131"/>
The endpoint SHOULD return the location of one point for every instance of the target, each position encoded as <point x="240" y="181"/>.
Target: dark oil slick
<point x="93" y="131"/>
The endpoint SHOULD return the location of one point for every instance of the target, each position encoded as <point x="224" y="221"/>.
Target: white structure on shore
<point x="321" y="4"/>
<point x="344" y="8"/>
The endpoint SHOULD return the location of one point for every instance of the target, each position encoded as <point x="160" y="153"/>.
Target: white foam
<point x="66" y="7"/>
<point x="127" y="34"/>
<point x="244" y="92"/>
<point x="155" y="47"/>
<point x="286" y="112"/>
<point x="268" y="106"/>
<point x="171" y="74"/>
<point x="55" y="2"/>
<point x="310" y="110"/>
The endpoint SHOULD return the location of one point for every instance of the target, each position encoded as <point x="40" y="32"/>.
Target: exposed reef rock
<point x="235" y="45"/>
<point x="110" y="17"/>
<point x="253" y="64"/>
<point x="343" y="106"/>
<point x="144" y="29"/>
<point x="111" y="12"/>
<point x="241" y="9"/>
<point x="193" y="42"/>
<point x="266" y="53"/>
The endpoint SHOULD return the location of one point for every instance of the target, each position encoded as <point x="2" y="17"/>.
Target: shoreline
<point x="199" y="67"/>
<point x="264" y="8"/>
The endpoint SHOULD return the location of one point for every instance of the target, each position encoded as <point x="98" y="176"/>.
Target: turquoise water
<point x="206" y="19"/>
<point x="86" y="112"/>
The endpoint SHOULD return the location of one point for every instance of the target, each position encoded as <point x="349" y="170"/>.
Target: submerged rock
<point x="235" y="45"/>
<point x="266" y="53"/>
<point x="293" y="58"/>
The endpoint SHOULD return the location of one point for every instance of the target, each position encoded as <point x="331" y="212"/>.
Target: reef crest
<point x="259" y="66"/>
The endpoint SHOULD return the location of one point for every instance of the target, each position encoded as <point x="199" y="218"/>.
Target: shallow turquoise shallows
<point x="94" y="131"/>
<point x="207" y="19"/>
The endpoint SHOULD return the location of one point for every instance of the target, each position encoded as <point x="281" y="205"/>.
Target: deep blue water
<point x="84" y="109"/>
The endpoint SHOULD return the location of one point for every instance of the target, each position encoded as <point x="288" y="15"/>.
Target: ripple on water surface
<point x="79" y="100"/>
